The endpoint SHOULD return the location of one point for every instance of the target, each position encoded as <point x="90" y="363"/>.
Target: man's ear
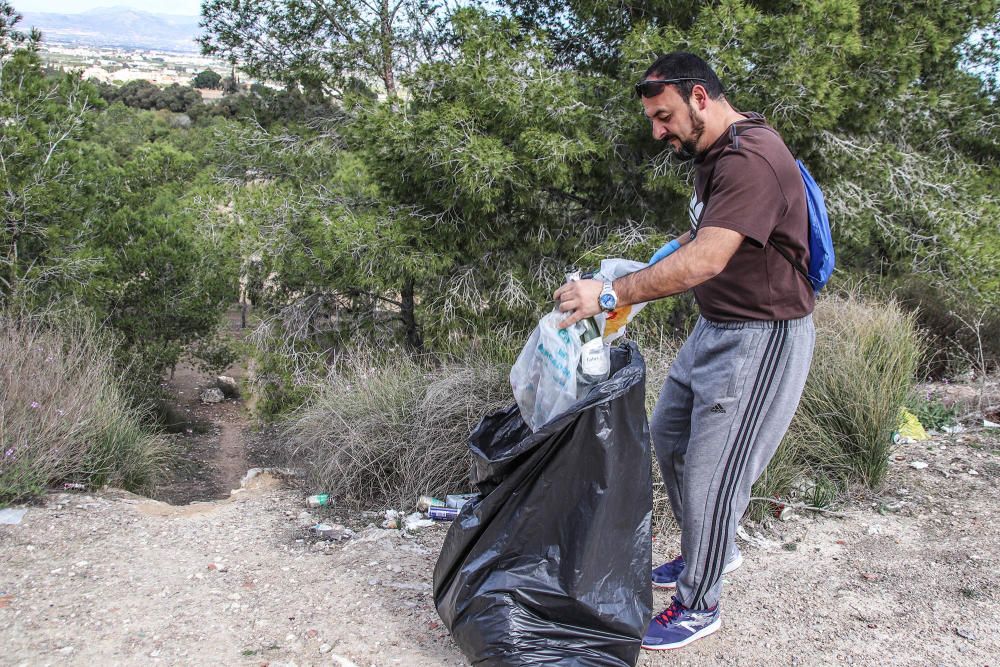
<point x="699" y="96"/>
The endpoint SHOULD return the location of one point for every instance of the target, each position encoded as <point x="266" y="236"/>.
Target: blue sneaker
<point x="666" y="575"/>
<point x="678" y="626"/>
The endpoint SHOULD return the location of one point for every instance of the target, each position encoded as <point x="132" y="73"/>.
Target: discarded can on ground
<point x="458" y="499"/>
<point x="442" y="513"/>
<point x="781" y="511"/>
<point x="319" y="500"/>
<point x="74" y="486"/>
<point x="426" y="502"/>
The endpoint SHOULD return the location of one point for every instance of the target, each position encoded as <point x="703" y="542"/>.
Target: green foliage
<point x="322" y="45"/>
<point x="207" y="79"/>
<point x="499" y="174"/>
<point x="214" y="353"/>
<point x="140" y="94"/>
<point x="265" y="106"/>
<point x="101" y="209"/>
<point x="44" y="120"/>
<point x="67" y="418"/>
<point x="932" y="413"/>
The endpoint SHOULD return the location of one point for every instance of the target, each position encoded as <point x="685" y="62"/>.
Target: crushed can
<point x="442" y="513"/>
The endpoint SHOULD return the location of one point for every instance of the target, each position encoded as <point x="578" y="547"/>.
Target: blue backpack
<point x="821" y="255"/>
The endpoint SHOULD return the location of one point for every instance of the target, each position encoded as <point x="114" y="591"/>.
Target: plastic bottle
<point x="319" y="500"/>
<point x="595" y="357"/>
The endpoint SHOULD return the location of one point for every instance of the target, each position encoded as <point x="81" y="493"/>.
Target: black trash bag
<point x="551" y="565"/>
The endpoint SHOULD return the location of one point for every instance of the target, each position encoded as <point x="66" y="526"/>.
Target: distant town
<point x="115" y="45"/>
<point x="120" y="65"/>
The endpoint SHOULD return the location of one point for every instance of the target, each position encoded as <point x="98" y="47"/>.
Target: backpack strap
<point x="735" y="130"/>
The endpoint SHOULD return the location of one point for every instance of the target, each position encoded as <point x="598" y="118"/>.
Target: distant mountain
<point x="118" y="26"/>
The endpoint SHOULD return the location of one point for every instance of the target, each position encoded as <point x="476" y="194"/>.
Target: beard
<point x="689" y="145"/>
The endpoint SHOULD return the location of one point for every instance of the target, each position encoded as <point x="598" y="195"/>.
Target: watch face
<point x="608" y="301"/>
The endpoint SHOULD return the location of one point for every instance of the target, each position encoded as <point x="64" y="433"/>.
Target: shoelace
<point x="670" y="613"/>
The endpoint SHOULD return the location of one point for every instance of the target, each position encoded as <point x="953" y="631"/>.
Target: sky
<point x="183" y="7"/>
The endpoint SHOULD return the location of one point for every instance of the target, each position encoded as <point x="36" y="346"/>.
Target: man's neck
<point x="717" y="124"/>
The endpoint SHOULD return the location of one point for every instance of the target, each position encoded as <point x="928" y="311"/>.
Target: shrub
<point x="862" y="373"/>
<point x="63" y="414"/>
<point x="961" y="331"/>
<point x="386" y="428"/>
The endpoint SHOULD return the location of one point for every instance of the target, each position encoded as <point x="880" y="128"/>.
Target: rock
<point x="965" y="634"/>
<point x="228" y="386"/>
<point x="956" y="395"/>
<point x="179" y="120"/>
<point x="335" y="531"/>
<point x="212" y="395"/>
<point x="11" y="517"/>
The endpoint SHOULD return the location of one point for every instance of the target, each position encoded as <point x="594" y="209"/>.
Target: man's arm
<point x="700" y="260"/>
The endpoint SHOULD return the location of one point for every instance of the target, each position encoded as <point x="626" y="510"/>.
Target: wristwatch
<point x="608" y="298"/>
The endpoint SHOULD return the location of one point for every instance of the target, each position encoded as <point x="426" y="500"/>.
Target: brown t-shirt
<point x="757" y="191"/>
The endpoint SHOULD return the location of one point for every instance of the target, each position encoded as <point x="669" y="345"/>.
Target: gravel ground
<point x="906" y="577"/>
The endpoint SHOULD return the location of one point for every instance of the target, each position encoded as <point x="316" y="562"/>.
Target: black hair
<point x="679" y="65"/>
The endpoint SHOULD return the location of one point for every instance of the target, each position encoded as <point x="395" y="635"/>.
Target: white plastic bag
<point x="544" y="375"/>
<point x="613" y="324"/>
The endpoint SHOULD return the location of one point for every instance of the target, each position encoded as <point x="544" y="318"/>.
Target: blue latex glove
<point x="664" y="251"/>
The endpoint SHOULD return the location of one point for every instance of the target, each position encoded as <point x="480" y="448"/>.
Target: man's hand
<point x="580" y="296"/>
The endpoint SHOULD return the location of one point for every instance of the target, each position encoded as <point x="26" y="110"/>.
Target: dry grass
<point x="63" y="415"/>
<point x="863" y="369"/>
<point x="384" y="430"/>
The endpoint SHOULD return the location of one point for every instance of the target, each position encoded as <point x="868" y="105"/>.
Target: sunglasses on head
<point x="653" y="87"/>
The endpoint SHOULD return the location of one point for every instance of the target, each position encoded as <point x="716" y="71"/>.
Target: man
<point x="731" y="392"/>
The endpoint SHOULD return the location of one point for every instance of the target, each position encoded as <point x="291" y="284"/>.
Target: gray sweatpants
<point x="727" y="402"/>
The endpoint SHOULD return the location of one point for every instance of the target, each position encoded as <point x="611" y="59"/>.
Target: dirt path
<point x="216" y="441"/>
<point x="908" y="577"/>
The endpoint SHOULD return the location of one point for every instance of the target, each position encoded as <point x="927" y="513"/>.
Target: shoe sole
<point x="730" y="567"/>
<point x="704" y="632"/>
